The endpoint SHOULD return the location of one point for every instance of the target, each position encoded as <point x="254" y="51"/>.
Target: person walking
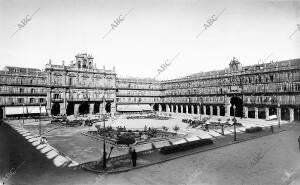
<point x="272" y="129"/>
<point x="299" y="141"/>
<point x="134" y="157"/>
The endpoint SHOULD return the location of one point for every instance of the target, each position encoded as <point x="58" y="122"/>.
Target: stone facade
<point x="258" y="91"/>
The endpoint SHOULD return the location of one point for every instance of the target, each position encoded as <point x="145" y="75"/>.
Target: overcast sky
<point x="152" y="32"/>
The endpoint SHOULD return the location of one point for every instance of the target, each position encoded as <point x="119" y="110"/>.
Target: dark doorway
<point x="1" y="113"/>
<point x="207" y="110"/>
<point x="174" y="108"/>
<point x="195" y="109"/>
<point x="238" y="102"/>
<point x="84" y="108"/>
<point x="215" y="111"/>
<point x="285" y="114"/>
<point x="222" y="110"/>
<point x="155" y="107"/>
<point x="297" y="114"/>
<point x="55" y="109"/>
<point x="96" y="107"/>
<point x="201" y="110"/>
<point x="261" y="113"/>
<point x="179" y="109"/>
<point x="189" y="109"/>
<point x="108" y="107"/>
<point x="184" y="109"/>
<point x="70" y="109"/>
<point x="163" y="107"/>
<point x="272" y="111"/>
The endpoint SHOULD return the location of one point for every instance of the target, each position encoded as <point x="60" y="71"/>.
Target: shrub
<point x="185" y="146"/>
<point x="125" y="140"/>
<point x="253" y="129"/>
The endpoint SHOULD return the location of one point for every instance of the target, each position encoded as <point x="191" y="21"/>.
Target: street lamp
<point x="234" y="123"/>
<point x="40" y="126"/>
<point x="278" y="115"/>
<point x="23" y="115"/>
<point x="104" y="152"/>
<point x="200" y="110"/>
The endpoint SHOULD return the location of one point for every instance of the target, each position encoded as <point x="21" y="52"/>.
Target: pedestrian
<point x="134" y="157"/>
<point x="299" y="141"/>
<point x="272" y="129"/>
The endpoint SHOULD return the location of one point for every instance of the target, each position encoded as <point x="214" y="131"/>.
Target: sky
<point x="165" y="39"/>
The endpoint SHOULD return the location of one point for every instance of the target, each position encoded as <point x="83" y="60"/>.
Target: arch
<point x="55" y="110"/>
<point x="70" y="109"/>
<point x="238" y="102"/>
<point x="261" y="113"/>
<point x="222" y="110"/>
<point x="96" y="107"/>
<point x="84" y="108"/>
<point x="215" y="110"/>
<point x="272" y="111"/>
<point x="1" y="113"/>
<point x="184" y="109"/>
<point x="207" y="110"/>
<point x="108" y="107"/>
<point x="297" y="114"/>
<point x="201" y="110"/>
<point x="195" y="109"/>
<point x="285" y="114"/>
<point x="179" y="109"/>
<point x="155" y="107"/>
<point x="189" y="109"/>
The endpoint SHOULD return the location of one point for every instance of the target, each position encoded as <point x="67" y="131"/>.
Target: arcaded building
<point x="260" y="91"/>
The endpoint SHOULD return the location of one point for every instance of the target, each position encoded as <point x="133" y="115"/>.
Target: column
<point x="204" y="110"/>
<point x="198" y="109"/>
<point x="192" y="109"/>
<point x="256" y="112"/>
<point x="76" y="109"/>
<point x="291" y="110"/>
<point x="102" y="108"/>
<point x="159" y="108"/>
<point x="4" y="114"/>
<point x="167" y="108"/>
<point x="279" y="113"/>
<point x="227" y="110"/>
<point x="48" y="99"/>
<point x="186" y="109"/>
<point x="245" y="112"/>
<point x="62" y="108"/>
<point x="92" y="108"/>
<point x="267" y="113"/>
<point x="181" y="108"/>
<point x="211" y="110"/>
<point x="176" y="108"/>
<point x="218" y="110"/>
<point x="172" y="108"/>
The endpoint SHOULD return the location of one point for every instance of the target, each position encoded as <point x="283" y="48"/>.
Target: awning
<point x="16" y="110"/>
<point x="134" y="108"/>
<point x="36" y="109"/>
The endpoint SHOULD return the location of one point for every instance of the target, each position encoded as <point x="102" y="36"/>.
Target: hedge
<point x="253" y="129"/>
<point x="185" y="146"/>
<point x="125" y="140"/>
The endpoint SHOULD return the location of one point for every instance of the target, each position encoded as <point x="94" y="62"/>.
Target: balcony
<point x="57" y="100"/>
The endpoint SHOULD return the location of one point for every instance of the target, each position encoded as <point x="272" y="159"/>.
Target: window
<point x="21" y="90"/>
<point x="41" y="100"/>
<point x="56" y="96"/>
<point x="20" y="100"/>
<point x="32" y="100"/>
<point x="32" y="91"/>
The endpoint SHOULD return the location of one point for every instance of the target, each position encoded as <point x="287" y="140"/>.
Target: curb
<point x="183" y="155"/>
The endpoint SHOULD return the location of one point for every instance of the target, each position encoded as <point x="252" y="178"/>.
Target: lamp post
<point x="23" y="115"/>
<point x="40" y="125"/>
<point x="200" y="111"/>
<point x="104" y="151"/>
<point x="278" y="115"/>
<point x="234" y="123"/>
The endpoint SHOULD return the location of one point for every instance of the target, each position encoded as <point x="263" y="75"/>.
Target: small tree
<point x="176" y="128"/>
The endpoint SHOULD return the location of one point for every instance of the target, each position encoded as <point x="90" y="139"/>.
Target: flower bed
<point x="185" y="146"/>
<point x="253" y="129"/>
